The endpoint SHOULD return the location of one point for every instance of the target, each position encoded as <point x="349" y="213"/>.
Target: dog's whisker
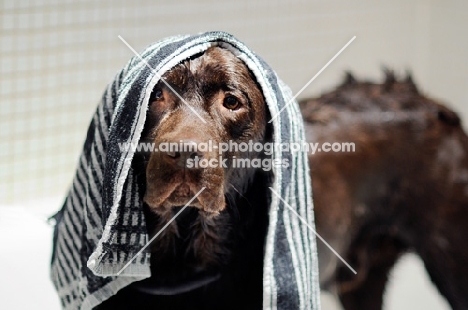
<point x="232" y="205"/>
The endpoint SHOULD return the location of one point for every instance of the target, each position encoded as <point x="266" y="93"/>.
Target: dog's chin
<point x="180" y="201"/>
<point x="174" y="272"/>
<point x="173" y="203"/>
<point x="165" y="200"/>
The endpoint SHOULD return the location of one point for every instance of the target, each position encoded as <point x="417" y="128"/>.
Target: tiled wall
<point x="57" y="56"/>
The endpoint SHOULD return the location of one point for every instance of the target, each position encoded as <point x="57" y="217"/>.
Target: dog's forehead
<point x="218" y="64"/>
<point x="215" y="65"/>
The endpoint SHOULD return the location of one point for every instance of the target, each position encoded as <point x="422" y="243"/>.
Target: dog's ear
<point x="269" y="126"/>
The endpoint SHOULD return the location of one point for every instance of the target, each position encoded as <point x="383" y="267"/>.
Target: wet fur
<point x="403" y="190"/>
<point x="222" y="232"/>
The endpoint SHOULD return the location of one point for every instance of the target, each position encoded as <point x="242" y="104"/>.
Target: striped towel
<point x="101" y="225"/>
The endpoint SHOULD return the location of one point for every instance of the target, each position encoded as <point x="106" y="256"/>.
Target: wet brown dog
<point x="405" y="188"/>
<point x="211" y="256"/>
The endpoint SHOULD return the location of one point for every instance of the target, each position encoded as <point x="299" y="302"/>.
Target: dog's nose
<point x="181" y="151"/>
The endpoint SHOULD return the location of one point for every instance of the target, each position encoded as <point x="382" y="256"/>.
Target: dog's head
<point x="209" y="99"/>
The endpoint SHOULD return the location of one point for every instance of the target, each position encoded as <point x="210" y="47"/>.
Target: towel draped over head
<point x="101" y="225"/>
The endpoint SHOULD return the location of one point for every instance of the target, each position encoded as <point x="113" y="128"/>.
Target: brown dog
<point x="405" y="188"/>
<point x="211" y="256"/>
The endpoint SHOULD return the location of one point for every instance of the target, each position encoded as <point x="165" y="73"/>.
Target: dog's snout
<point x="182" y="150"/>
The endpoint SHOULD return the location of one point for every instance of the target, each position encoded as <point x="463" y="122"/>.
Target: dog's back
<point x="404" y="187"/>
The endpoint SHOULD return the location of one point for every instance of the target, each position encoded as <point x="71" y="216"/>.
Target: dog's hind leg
<point x="373" y="260"/>
<point x="446" y="262"/>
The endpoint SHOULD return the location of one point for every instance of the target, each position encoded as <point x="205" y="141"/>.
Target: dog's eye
<point x="231" y="103"/>
<point x="156" y="95"/>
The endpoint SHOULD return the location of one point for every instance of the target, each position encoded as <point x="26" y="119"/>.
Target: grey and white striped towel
<point x="101" y="225"/>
